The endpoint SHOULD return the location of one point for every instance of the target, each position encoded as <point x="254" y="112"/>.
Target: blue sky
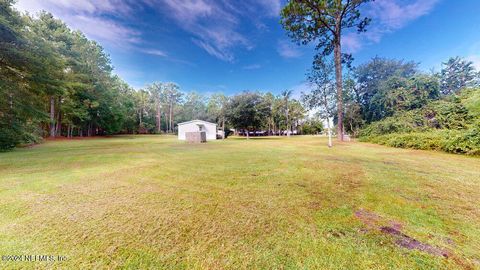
<point x="230" y="46"/>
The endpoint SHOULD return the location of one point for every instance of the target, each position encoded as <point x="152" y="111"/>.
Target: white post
<point x="329" y="133"/>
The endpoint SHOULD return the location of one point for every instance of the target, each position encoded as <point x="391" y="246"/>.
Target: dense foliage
<point x="55" y="82"/>
<point x="451" y="124"/>
<point x="391" y="102"/>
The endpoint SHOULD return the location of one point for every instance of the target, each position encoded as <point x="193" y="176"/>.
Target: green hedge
<point x="465" y="141"/>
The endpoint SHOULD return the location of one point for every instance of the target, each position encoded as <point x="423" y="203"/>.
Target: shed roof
<point x="196" y="121"/>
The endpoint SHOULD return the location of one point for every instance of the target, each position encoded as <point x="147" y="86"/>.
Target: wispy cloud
<point x="272" y="7"/>
<point x="215" y="26"/>
<point x="89" y="17"/>
<point x="154" y="52"/>
<point x="387" y="17"/>
<point x="104" y="30"/>
<point x="288" y="50"/>
<point x="395" y="14"/>
<point x="252" y="67"/>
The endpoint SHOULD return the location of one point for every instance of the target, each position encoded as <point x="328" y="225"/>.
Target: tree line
<point x="56" y="82"/>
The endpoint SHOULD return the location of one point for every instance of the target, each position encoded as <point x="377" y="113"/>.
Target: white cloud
<point x="272" y="7"/>
<point x="213" y="50"/>
<point x="387" y="16"/>
<point x="288" y="49"/>
<point x="395" y="14"/>
<point x="88" y="17"/>
<point x="154" y="52"/>
<point x="252" y="67"/>
<point x="104" y="30"/>
<point x="75" y="6"/>
<point x="215" y="25"/>
<point x="210" y="23"/>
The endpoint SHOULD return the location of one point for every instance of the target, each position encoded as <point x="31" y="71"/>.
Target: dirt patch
<point x="368" y="218"/>
<point x="408" y="242"/>
<point x="374" y="221"/>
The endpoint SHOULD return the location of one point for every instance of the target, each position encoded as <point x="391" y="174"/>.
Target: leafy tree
<point x="157" y="94"/>
<point x="247" y="111"/>
<point x="142" y="100"/>
<point x="195" y="107"/>
<point x="456" y="74"/>
<point x="18" y="105"/>
<point x="312" y="126"/>
<point x="217" y="108"/>
<point x="400" y="94"/>
<point x="296" y="113"/>
<point x="173" y="97"/>
<point x="370" y="77"/>
<point x="324" y="21"/>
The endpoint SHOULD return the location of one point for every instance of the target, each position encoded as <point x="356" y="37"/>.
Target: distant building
<point x="210" y="129"/>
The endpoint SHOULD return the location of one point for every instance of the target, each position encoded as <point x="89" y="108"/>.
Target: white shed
<point x="197" y="125"/>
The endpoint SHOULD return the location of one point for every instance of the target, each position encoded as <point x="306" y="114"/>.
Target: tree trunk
<point x="52" y="117"/>
<point x="338" y="77"/>
<point x="58" y="129"/>
<point x="288" y="127"/>
<point x="248" y="135"/>
<point x="170" y="118"/>
<point x="223" y="128"/>
<point x="165" y="116"/>
<point x="173" y="126"/>
<point x="158" y="119"/>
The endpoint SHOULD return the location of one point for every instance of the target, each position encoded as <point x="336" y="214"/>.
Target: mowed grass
<point x="152" y="202"/>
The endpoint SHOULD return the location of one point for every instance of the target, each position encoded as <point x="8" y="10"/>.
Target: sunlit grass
<point x="145" y="202"/>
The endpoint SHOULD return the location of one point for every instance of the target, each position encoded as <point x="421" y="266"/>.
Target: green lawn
<point x="151" y="202"/>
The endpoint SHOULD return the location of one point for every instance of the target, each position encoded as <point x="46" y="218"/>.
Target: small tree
<point x="457" y="74"/>
<point x="322" y="97"/>
<point x="324" y="21"/>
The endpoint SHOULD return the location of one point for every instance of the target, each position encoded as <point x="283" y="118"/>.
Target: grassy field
<point x="151" y="202"/>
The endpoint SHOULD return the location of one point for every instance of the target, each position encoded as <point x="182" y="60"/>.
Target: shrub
<point x="465" y="141"/>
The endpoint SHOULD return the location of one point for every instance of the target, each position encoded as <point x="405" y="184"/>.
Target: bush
<point x="451" y="125"/>
<point x="453" y="141"/>
<point x="16" y="133"/>
<point x="9" y="138"/>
